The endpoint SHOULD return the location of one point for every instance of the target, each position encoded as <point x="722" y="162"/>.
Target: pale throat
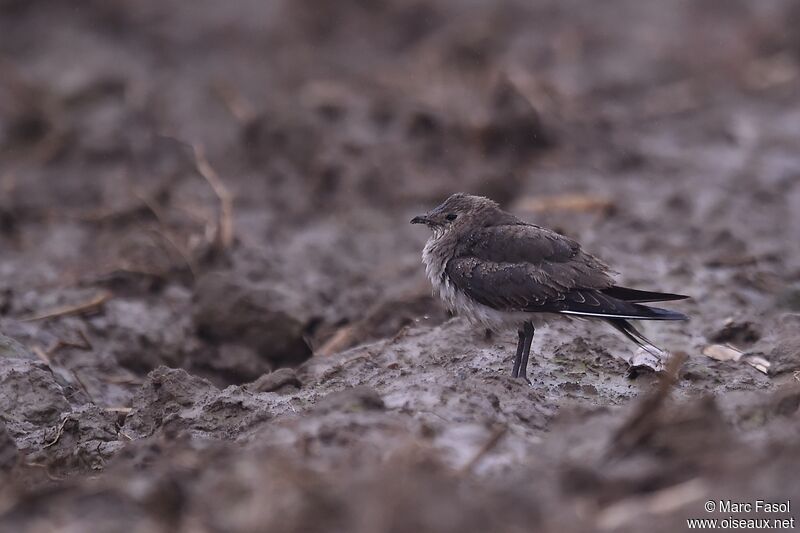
<point x="438" y="250"/>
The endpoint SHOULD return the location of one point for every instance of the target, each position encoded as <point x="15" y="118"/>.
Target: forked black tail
<point x="628" y="329"/>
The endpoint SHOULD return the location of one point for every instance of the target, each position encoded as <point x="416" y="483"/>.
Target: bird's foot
<point x="523" y="377"/>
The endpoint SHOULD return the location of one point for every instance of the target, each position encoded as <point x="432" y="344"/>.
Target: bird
<point x="502" y="273"/>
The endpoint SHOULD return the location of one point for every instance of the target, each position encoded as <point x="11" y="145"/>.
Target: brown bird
<point x="502" y="272"/>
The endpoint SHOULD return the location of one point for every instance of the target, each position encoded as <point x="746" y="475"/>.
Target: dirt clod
<point x="33" y="398"/>
<point x="8" y="450"/>
<point x="227" y="311"/>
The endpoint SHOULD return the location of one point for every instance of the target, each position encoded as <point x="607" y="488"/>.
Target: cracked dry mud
<point x="160" y="374"/>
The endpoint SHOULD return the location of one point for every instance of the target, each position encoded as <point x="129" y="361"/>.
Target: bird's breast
<point x="435" y="262"/>
<point x="435" y="256"/>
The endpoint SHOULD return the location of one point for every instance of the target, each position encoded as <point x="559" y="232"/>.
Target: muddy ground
<point x="197" y="197"/>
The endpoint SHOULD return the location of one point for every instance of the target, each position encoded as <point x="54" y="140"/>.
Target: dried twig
<point x="636" y="508"/>
<point x="234" y="102"/>
<point x="567" y="202"/>
<point x="362" y="330"/>
<point x="58" y="433"/>
<point x="768" y="72"/>
<point x="637" y="427"/>
<point x="91" y="305"/>
<point x="82" y="385"/>
<point x="224" y="229"/>
<point x="46" y="469"/>
<point x="340" y="340"/>
<point x="85" y="337"/>
<point x="494" y="439"/>
<point x="84" y="345"/>
<point x="400" y="334"/>
<point x="164" y="234"/>
<point x="151" y="206"/>
<point x="144" y="202"/>
<point x="41" y="354"/>
<point x="185" y="256"/>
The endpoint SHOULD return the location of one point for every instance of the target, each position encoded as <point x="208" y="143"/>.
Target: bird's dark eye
<point x="451" y="216"/>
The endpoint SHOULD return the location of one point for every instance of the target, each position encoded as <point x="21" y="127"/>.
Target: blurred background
<point x="203" y="195"/>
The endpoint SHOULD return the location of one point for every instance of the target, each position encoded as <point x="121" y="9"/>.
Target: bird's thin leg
<point x="528" y="331"/>
<point x="518" y="358"/>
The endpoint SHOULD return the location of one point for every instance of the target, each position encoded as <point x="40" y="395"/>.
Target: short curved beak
<point x="420" y="220"/>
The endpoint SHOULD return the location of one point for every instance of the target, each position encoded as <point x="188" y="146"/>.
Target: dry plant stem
<point x="661" y="501"/>
<point x="639" y="424"/>
<point x="91" y="305"/>
<point x="85" y="337"/>
<point x="352" y="334"/>
<point x="82" y="385"/>
<point x="46" y="469"/>
<point x="84" y="345"/>
<point x="223" y="238"/>
<point x="41" y="354"/>
<point x="144" y="202"/>
<point x="234" y="102"/>
<point x="163" y="234"/>
<point x="152" y="206"/>
<point x="567" y="202"/>
<point x="494" y="440"/>
<point x="339" y="341"/>
<point x="58" y="433"/>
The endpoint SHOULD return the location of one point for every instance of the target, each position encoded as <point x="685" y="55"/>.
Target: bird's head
<point x="458" y="211"/>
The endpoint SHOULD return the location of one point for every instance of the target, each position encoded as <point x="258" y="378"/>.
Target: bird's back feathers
<point x="514" y="266"/>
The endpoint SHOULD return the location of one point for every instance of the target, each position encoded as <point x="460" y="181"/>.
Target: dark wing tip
<point x="599" y="304"/>
<point x="658" y="313"/>
<point x="636" y="296"/>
